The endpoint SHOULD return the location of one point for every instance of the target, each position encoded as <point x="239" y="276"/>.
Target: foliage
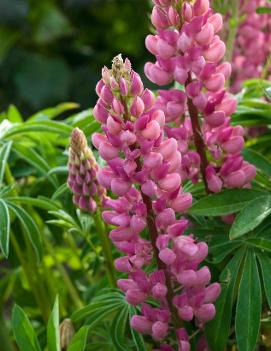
<point x="52" y="248"/>
<point x="54" y="289"/>
<point x="65" y="43"/>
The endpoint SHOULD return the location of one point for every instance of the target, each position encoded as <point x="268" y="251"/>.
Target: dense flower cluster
<point x="188" y="50"/>
<point x="253" y="43"/>
<point x="82" y="173"/>
<point x="144" y="170"/>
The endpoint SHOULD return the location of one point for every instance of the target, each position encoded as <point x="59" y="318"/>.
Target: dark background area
<point x="53" y="50"/>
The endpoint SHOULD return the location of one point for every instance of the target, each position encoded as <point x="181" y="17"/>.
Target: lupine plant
<point x="143" y="224"/>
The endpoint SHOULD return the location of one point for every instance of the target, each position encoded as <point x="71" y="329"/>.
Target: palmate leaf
<point x="261" y="162"/>
<point x="23" y="331"/>
<point x="118" y="328"/>
<point x="249" y="305"/>
<point x="218" y="329"/>
<point x="260" y="243"/>
<point x="31" y="156"/>
<point x="4" y="228"/>
<point x="53" y="336"/>
<point x="224" y="203"/>
<point x="251" y="216"/>
<point x="100" y="307"/>
<point x="30" y="228"/>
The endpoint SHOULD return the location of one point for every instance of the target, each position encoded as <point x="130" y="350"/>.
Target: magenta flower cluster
<point x="189" y="51"/>
<point x="143" y="170"/>
<point x="252" y="45"/>
<point x="82" y="174"/>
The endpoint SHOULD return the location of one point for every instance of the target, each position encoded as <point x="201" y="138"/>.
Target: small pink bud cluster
<point x="143" y="170"/>
<point x="253" y="43"/>
<point x="82" y="173"/>
<point x="189" y="50"/>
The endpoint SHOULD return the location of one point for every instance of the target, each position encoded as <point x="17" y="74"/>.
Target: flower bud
<point x="159" y="330"/>
<point x="66" y="331"/>
<point x="141" y="324"/>
<point x="137" y="107"/>
<point x="215" y="52"/>
<point x="108" y="151"/>
<point x="136" y="84"/>
<point x="205" y="313"/>
<point x="159" y="18"/>
<point x="167" y="256"/>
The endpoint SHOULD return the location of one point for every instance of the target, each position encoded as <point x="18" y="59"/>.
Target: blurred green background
<point x="53" y="50"/>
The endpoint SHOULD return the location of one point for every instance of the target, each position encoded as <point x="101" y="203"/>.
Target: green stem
<point x="31" y="279"/>
<point x="233" y="26"/>
<point x="5" y="341"/>
<point x="266" y="68"/>
<point x="69" y="285"/>
<point x="29" y="266"/>
<point x="198" y="138"/>
<point x="106" y="247"/>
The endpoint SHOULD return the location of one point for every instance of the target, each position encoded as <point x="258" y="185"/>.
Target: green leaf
<point x="103" y="303"/>
<point x="31" y="156"/>
<point x="53" y="336"/>
<point x="265" y="263"/>
<point x="54" y="85"/>
<point x="118" y="329"/>
<point x="14" y="115"/>
<point x="258" y="160"/>
<point x="4" y="154"/>
<point x="41" y="202"/>
<point x="23" y="331"/>
<point x="58" y="170"/>
<point x="40" y="126"/>
<point x="4" y="228"/>
<point x="260" y="243"/>
<point x="218" y="329"/>
<point x="249" y="305"/>
<point x="30" y="228"/>
<point x="79" y="340"/>
<point x="251" y="216"/>
<point x="224" y="203"/>
<point x="53" y="25"/>
<point x="60" y="191"/>
<point x="52" y="112"/>
<point x="263" y="10"/>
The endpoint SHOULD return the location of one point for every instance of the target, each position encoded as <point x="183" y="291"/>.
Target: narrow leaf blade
<point x="30" y="228"/>
<point x="53" y="337"/>
<point x="79" y="340"/>
<point x="224" y="203"/>
<point x="218" y="329"/>
<point x="4" y="154"/>
<point x="23" y="331"/>
<point x="4" y="228"/>
<point x="251" y="216"/>
<point x="249" y="304"/>
<point x="265" y="263"/>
